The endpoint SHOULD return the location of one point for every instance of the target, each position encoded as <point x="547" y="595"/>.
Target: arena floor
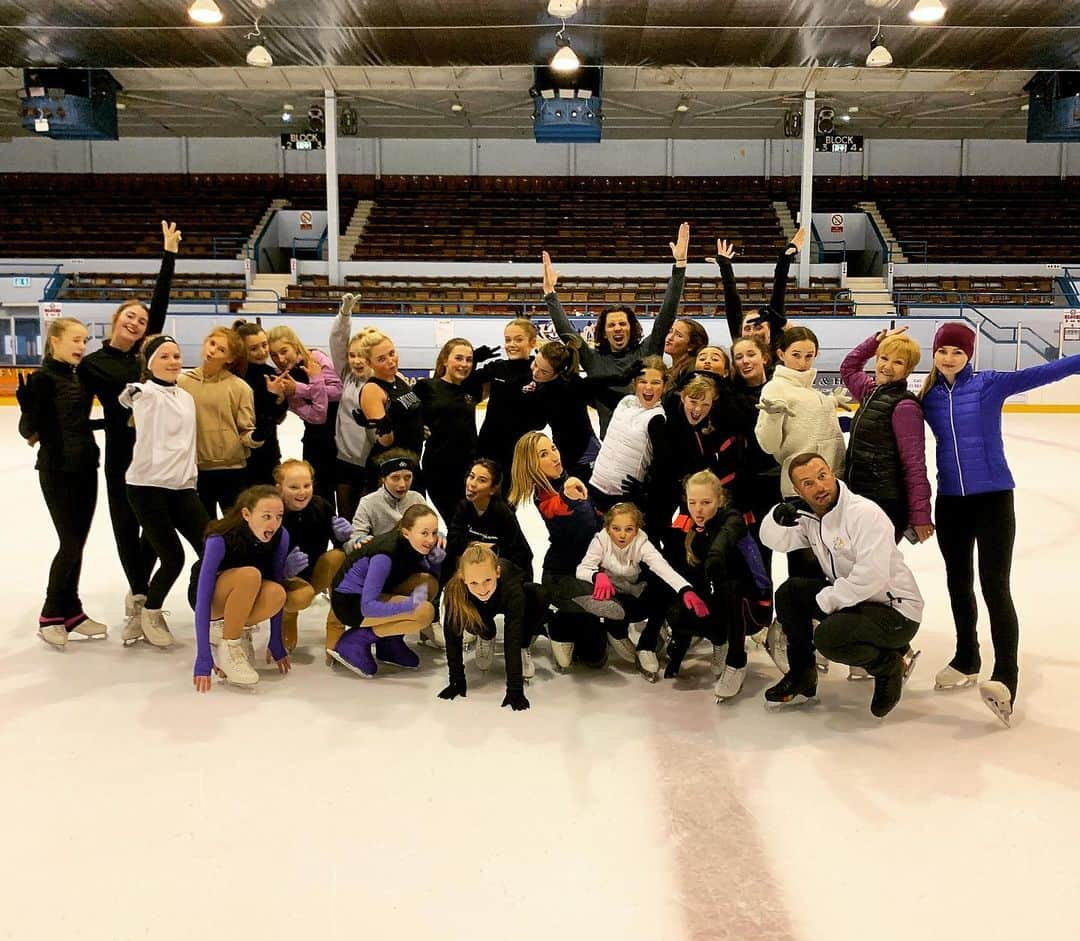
<point x="327" y="806"/>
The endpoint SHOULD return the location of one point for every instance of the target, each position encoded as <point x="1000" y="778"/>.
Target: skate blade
<point x="965" y="684"/>
<point x="49" y="643"/>
<point x="822" y="666"/>
<point x="1001" y="709"/>
<point x="338" y="658"/>
<point x="132" y="641"/>
<point x="909" y="665"/>
<point x="723" y="699"/>
<point x="859" y="677"/>
<point x="650" y="677"/>
<point x="799" y="700"/>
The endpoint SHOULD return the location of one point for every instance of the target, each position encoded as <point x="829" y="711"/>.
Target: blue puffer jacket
<point x="966" y="421"/>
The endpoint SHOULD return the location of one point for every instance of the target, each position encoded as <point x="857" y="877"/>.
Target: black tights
<point x="136" y="554"/>
<point x="164" y="513"/>
<point x="987" y="520"/>
<point x="71" y="499"/>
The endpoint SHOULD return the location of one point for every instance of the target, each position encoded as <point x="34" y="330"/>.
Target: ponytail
<point x="458" y="605"/>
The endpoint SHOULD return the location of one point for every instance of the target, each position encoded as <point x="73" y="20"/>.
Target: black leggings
<point x="71" y="499"/>
<point x="164" y="513"/>
<point x="570" y="623"/>
<point x="136" y="554"/>
<point x="320" y="451"/>
<point x="262" y="461"/>
<point x="989" y="521"/>
<point x="220" y="488"/>
<point x="724" y="624"/>
<point x="445" y="485"/>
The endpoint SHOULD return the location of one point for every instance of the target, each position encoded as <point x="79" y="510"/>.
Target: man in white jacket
<point x="868" y="603"/>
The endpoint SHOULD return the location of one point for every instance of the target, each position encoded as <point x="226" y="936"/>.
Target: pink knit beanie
<point x="955" y="334"/>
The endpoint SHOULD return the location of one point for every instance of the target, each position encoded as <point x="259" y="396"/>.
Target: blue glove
<point x="295" y="562"/>
<point x="436" y="555"/>
<point x="341" y="528"/>
<point x="419" y="595"/>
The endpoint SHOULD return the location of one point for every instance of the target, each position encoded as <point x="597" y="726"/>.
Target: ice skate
<point x="910" y="657"/>
<point x="353" y="651"/>
<point x="950" y="678"/>
<point x="395" y="651"/>
<point x="858" y="674"/>
<point x="248" y="642"/>
<point x="528" y="668"/>
<point x="55" y="635"/>
<point x="821" y="662"/>
<point x="433" y="636"/>
<point x="132" y="630"/>
<point x="155" y="629"/>
<point x="610" y="610"/>
<point x="776" y="646"/>
<point x="232" y="663"/>
<point x="998" y="700"/>
<point x="624" y="649"/>
<point x="730" y="683"/>
<point x="562" y="652"/>
<point x="87" y="627"/>
<point x="887" y="690"/>
<point x="792" y="691"/>
<point x="485" y="652"/>
<point x="719" y="659"/>
<point x="649" y="665"/>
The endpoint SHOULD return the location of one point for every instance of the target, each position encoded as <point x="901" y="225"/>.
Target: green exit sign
<point x="20" y="281"/>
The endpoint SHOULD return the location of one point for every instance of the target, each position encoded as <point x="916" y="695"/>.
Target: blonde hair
<point x="291" y="464"/>
<point x="525" y="474"/>
<point x="657" y="363"/>
<point x="699" y="387"/>
<point x="903" y="347"/>
<point x="705" y="478"/>
<point x="460" y="610"/>
<point x="624" y="509"/>
<point x="237" y="365"/>
<point x="369" y="339"/>
<point x="444" y="354"/>
<point x="286" y="334"/>
<point x="57" y="328"/>
<point x="525" y="324"/>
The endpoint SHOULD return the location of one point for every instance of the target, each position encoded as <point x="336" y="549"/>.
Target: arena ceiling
<point x="737" y="65"/>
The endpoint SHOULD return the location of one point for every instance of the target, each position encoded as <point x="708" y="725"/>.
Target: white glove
<point x="842" y="398"/>
<point x="348" y="302"/>
<point x="777" y="407"/>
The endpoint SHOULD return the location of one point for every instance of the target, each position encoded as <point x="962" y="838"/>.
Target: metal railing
<point x="219" y="297"/>
<point x="953" y="298"/>
<point x="227" y="246"/>
<point x="909" y="249"/>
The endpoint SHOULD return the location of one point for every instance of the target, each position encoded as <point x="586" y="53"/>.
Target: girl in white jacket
<point x="612" y="564"/>
<point x="794" y="417"/>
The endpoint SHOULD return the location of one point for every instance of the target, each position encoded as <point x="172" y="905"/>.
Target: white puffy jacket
<point x="626" y="450"/>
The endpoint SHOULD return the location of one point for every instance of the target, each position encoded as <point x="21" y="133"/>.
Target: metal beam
<point x="333" y="207"/>
<point x="806" y="190"/>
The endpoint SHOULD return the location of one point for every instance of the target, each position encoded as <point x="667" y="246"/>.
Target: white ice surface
<point x="326" y="806"/>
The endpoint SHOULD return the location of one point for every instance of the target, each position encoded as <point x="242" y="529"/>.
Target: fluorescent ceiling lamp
<point x="206" y="12"/>
<point x="928" y="11"/>
<point x="565" y="60"/>
<point x="682" y="107"/>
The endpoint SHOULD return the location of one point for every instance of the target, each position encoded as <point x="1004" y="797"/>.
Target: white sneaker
<point x="858" y="674"/>
<point x="563" y="653"/>
<point x="528" y="668"/>
<point x="998" y="700"/>
<point x="233" y="662"/>
<point x="155" y="629"/>
<point x="624" y="649"/>
<point x="719" y="658"/>
<point x="55" y="635"/>
<point x="485" y="652"/>
<point x="649" y="664"/>
<point x="730" y="683"/>
<point x="132" y="631"/>
<point x="948" y="678"/>
<point x="91" y="628"/>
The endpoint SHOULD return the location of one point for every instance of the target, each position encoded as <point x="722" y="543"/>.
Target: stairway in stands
<point x="896" y="252"/>
<point x="871" y="297"/>
<point x="259" y="300"/>
<point x="355" y="229"/>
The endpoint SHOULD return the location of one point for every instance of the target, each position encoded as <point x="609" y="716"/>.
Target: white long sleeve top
<point x="165" y="444"/>
<point x="604" y="555"/>
<point x="854" y="545"/>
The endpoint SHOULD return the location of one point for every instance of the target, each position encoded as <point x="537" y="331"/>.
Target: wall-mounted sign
<point x="840" y="143"/>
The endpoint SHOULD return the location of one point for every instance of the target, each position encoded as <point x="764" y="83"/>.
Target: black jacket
<point x="498" y="526"/>
<point x="872" y="467"/>
<point x="56" y="408"/>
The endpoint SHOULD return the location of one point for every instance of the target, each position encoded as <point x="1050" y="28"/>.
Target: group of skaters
<point x="709" y="459"/>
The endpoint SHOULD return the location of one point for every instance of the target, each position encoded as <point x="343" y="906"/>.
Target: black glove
<point x="264" y="426"/>
<point x="787" y="513"/>
<point x="23" y="395"/>
<point x="360" y="418"/>
<point x="635" y="491"/>
<point x="482" y="354"/>
<point x="515" y="700"/>
<point x="630" y="373"/>
<point x="455" y="689"/>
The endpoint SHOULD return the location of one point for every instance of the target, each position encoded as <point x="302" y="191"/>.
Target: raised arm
<point x="1005" y="384"/>
<point x="339" y="333"/>
<point x="783" y="266"/>
<point x="654" y="346"/>
<point x="852" y="369"/>
<point x="733" y="311"/>
<point x="159" y="303"/>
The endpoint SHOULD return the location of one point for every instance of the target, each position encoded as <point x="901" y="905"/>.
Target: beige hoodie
<point x="224" y="418"/>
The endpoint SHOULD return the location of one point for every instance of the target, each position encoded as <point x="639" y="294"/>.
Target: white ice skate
<point x="624" y="649"/>
<point x="55" y="635"/>
<point x="776" y="647"/>
<point x="719" y="658"/>
<point x="155" y="629"/>
<point x="563" y="654"/>
<point x="232" y="663"/>
<point x="485" y="652"/>
<point x="433" y="636"/>
<point x="132" y="631"/>
<point x="998" y="700"/>
<point x="649" y="665"/>
<point x="730" y="683"/>
<point x="247" y="639"/>
<point x="821" y="662"/>
<point x="948" y="678"/>
<point x="528" y="668"/>
<point x="216" y="631"/>
<point x="858" y="674"/>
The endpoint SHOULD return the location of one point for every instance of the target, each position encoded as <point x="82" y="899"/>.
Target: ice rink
<point x="323" y="805"/>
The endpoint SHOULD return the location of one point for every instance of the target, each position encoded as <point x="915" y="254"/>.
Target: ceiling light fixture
<point x="258" y="56"/>
<point x="206" y="12"/>
<point x="286" y="113"/>
<point x="457" y="106"/>
<point x="878" y="57"/>
<point x="565" y="60"/>
<point x="683" y="106"/>
<point x="928" y="11"/>
<point x="845" y="117"/>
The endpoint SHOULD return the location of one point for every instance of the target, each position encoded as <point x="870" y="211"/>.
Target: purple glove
<point x="295" y="562"/>
<point x="603" y="590"/>
<point x="436" y="555"/>
<point x="341" y="528"/>
<point x="419" y="595"/>
<point x="692" y="600"/>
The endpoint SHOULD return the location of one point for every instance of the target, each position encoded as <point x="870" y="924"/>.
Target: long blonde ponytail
<point x="460" y="610"/>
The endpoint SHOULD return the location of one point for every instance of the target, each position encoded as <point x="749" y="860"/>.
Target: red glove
<point x="693" y="601"/>
<point x="603" y="590"/>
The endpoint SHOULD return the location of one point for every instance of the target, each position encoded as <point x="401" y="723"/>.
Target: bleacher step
<point x="355" y="229"/>
<point x="258" y="301"/>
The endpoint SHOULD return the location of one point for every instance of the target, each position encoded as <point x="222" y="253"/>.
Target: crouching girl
<point x="482" y="587"/>
<point x="238" y="580"/>
<point x="381" y="593"/>
<point x="723" y="564"/>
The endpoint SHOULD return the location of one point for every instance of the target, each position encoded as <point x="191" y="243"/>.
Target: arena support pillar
<point x="806" y="189"/>
<point x="333" y="208"/>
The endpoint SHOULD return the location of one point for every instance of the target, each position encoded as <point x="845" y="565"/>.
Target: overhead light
<point x="259" y="57"/>
<point x="845" y="117"/>
<point x="854" y="109"/>
<point x="1025" y="106"/>
<point x="547" y="92"/>
<point x="457" y="106"/>
<point x="286" y="113"/>
<point x="682" y="107"/>
<point x="928" y="11"/>
<point x="41" y="125"/>
<point x="879" y="56"/>
<point x="206" y="12"/>
<point x="563" y="8"/>
<point x="565" y="60"/>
